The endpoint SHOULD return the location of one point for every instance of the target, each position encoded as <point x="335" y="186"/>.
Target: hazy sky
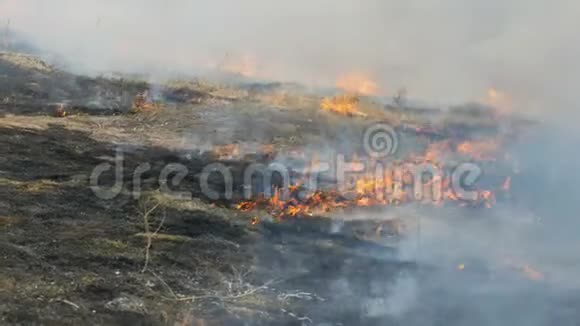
<point x="440" y="50"/>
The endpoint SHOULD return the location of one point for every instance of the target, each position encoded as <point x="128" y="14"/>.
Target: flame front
<point x="342" y="104"/>
<point x="391" y="187"/>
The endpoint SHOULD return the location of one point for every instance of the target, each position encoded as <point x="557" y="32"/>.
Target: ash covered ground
<point x="150" y="257"/>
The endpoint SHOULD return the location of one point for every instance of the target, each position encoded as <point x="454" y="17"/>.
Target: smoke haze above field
<point x="440" y="50"/>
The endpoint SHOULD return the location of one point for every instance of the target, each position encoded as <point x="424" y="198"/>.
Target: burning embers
<point x="397" y="187"/>
<point x="428" y="178"/>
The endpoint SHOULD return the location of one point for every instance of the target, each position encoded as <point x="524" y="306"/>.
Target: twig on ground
<point x="227" y="297"/>
<point x="165" y="285"/>
<point x="146" y="212"/>
<point x="213" y="238"/>
<point x="299" y="295"/>
<point x="295" y="316"/>
<point x="70" y="303"/>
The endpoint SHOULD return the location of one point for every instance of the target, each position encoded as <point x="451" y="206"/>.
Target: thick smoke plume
<point x="443" y="51"/>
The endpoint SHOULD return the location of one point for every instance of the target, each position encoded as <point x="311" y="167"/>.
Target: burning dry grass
<point x="348" y="105"/>
<point x="367" y="192"/>
<point x="393" y="186"/>
<point x="357" y="106"/>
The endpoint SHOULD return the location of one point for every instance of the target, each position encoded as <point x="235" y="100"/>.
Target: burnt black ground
<point x="62" y="244"/>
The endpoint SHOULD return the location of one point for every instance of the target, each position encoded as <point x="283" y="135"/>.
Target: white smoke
<point x="440" y="50"/>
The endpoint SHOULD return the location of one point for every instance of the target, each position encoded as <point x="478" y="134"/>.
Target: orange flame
<point x="388" y="188"/>
<point x="367" y="190"/>
<point x="342" y="104"/>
